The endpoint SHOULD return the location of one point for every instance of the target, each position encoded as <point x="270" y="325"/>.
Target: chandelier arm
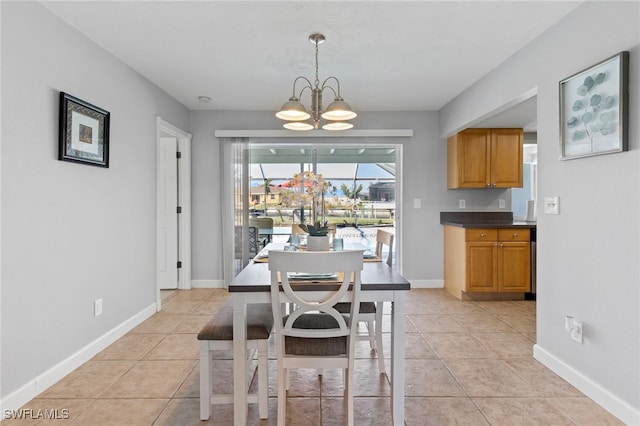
<point x="296" y="80"/>
<point x="324" y="84"/>
<point x="303" y="89"/>
<point x="332" y="89"/>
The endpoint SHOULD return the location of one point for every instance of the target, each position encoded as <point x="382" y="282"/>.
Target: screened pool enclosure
<point x="360" y="184"/>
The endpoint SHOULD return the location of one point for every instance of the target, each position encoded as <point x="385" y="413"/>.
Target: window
<point x="520" y="197"/>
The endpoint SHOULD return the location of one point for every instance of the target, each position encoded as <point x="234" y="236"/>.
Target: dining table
<point x="380" y="283"/>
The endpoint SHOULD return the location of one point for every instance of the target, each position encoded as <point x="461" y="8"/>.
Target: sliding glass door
<point x="361" y="195"/>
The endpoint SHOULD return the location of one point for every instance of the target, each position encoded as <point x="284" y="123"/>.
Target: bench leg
<point x="205" y="381"/>
<point x="263" y="380"/>
<point x="378" y="333"/>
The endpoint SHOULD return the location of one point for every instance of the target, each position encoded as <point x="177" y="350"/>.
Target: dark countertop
<point x="483" y="220"/>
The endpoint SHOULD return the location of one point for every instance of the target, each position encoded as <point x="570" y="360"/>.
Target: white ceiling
<point x="388" y="55"/>
<point x="524" y="114"/>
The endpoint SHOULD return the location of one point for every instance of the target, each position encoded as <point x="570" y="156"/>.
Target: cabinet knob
<point x="515" y="235"/>
<point x="482" y="234"/>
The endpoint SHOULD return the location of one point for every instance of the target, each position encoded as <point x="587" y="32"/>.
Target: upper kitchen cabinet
<point x="485" y="158"/>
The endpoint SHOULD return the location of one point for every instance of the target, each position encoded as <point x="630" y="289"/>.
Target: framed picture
<point x="84" y="132"/>
<point x="594" y="112"/>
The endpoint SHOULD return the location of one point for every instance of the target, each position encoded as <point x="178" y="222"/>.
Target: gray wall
<point x="588" y="255"/>
<point x="71" y="233"/>
<point x="424" y="176"/>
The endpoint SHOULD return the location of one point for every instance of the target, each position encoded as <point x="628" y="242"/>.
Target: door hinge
<point x="179" y="264"/>
<point x="178" y="154"/>
<point x="179" y="209"/>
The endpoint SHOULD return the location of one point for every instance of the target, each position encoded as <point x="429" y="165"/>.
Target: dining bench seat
<point x="217" y="334"/>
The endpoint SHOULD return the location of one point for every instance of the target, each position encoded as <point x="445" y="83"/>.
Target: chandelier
<point x="336" y="114"/>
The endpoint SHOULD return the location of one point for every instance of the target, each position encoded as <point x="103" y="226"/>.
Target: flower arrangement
<point x="314" y="188"/>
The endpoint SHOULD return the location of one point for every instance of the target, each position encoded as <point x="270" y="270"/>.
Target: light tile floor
<point x="467" y="363"/>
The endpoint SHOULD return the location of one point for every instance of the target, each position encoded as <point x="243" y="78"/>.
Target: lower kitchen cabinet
<point x="487" y="260"/>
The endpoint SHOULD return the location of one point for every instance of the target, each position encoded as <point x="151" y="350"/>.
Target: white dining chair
<point x="384" y="238"/>
<point x="371" y="312"/>
<point x="315" y="335"/>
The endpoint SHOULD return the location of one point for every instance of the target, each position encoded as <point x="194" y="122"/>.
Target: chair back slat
<point x="347" y="265"/>
<point x="384" y="238"/>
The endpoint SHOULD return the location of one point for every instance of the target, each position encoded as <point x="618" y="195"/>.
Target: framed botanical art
<point x="594" y="113"/>
<point x="84" y="132"/>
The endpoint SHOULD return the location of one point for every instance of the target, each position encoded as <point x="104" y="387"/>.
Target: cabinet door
<point x="506" y="158"/>
<point x="481" y="266"/>
<point x="473" y="158"/>
<point x="514" y="266"/>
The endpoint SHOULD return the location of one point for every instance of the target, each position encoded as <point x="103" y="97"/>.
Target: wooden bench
<point x="217" y="334"/>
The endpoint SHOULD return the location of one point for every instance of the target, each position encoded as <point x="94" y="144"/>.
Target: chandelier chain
<point x="317" y="82"/>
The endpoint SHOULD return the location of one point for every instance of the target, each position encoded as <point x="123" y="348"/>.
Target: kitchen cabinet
<point x="485" y="158"/>
<point x="486" y="260"/>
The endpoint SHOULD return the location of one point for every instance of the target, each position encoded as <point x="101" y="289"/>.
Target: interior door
<point x="167" y="200"/>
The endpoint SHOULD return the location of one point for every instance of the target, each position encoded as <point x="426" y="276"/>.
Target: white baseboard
<point x="619" y="408"/>
<point x="39" y="384"/>
<point x="427" y="283"/>
<point x="207" y="284"/>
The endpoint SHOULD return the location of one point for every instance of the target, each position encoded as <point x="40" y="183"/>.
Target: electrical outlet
<point x="576" y="332"/>
<point x="462" y="204"/>
<point x="417" y="203"/>
<point x="502" y="203"/>
<point x="97" y="308"/>
<point x="574" y="327"/>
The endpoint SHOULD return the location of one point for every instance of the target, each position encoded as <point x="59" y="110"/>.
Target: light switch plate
<point x="417" y="203"/>
<point x="551" y="205"/>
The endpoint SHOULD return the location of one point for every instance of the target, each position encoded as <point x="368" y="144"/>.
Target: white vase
<point x="318" y="243"/>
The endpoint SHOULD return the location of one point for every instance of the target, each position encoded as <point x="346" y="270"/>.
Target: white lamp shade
<point x="337" y="125"/>
<point x="339" y="110"/>
<point x="298" y="125"/>
<point x="293" y="110"/>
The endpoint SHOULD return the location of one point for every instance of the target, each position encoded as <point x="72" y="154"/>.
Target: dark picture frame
<point x="594" y="109"/>
<point x="84" y="132"/>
